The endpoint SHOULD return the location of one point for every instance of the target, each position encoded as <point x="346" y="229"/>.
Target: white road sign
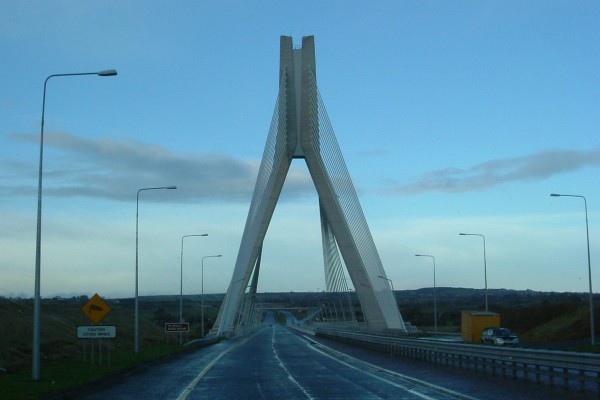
<point x="97" y="332"/>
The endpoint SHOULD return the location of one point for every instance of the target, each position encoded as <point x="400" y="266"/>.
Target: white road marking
<point x="393" y="373"/>
<point x="186" y="392"/>
<point x="290" y="377"/>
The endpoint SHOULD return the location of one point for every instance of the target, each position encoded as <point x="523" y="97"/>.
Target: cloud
<point x="106" y="168"/>
<point x="496" y="172"/>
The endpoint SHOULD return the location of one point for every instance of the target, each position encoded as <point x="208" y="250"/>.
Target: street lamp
<point x="241" y="311"/>
<point x="38" y="241"/>
<point x="484" y="265"/>
<point x="587" y="232"/>
<point x="202" y="311"/>
<point x="181" y="282"/>
<point x="391" y="283"/>
<point x="137" y="317"/>
<point x="434" y="294"/>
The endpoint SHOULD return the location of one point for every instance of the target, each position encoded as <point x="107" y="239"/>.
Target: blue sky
<point x="452" y="117"/>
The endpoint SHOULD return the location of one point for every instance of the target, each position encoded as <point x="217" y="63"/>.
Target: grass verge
<point x="589" y="348"/>
<point x="63" y="379"/>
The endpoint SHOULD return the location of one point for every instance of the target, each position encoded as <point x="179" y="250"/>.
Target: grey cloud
<point x="114" y="169"/>
<point x="496" y="172"/>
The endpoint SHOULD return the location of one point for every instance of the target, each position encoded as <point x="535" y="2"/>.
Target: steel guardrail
<point x="570" y="369"/>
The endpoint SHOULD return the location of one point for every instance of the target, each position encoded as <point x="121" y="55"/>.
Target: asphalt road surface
<point x="276" y="363"/>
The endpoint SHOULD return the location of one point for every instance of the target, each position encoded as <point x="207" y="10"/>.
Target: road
<point x="275" y="363"/>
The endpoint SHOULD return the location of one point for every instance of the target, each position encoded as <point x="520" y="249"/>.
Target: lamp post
<point x="484" y="265"/>
<point x="202" y="311"/>
<point x="391" y="283"/>
<point x="137" y="316"/>
<point x="38" y="241"/>
<point x="241" y="311"/>
<point x="181" y="283"/>
<point x="587" y="232"/>
<point x="434" y="292"/>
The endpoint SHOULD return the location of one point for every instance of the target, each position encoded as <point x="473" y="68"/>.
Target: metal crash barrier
<point x="569" y="369"/>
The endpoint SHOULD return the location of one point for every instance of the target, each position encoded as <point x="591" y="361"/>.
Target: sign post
<point x="96" y="309"/>
<point x="176" y="327"/>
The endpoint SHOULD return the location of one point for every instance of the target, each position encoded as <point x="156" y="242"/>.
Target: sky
<point x="453" y="117"/>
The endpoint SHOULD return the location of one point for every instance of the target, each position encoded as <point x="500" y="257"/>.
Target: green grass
<point x="62" y="365"/>
<point x="73" y="375"/>
<point x="589" y="349"/>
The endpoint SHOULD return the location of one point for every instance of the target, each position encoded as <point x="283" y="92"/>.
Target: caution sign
<point x="96" y="309"/>
<point x="97" y="332"/>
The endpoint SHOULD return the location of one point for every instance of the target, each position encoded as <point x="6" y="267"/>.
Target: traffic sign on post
<point x="97" y="332"/>
<point x="96" y="309"/>
<point x="177" y="327"/>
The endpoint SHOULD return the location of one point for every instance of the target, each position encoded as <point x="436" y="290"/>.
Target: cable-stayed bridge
<point x="300" y="129"/>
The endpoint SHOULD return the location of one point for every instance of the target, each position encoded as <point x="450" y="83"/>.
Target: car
<point x="499" y="337"/>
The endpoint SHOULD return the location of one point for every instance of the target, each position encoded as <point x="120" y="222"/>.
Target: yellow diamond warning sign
<point x="96" y="309"/>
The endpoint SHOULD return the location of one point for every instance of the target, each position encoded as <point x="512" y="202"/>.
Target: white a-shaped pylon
<point x="300" y="128"/>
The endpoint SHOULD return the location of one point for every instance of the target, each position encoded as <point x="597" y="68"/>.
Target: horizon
<point x="490" y="293"/>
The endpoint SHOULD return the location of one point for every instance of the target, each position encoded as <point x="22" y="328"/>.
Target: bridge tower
<point x="300" y="129"/>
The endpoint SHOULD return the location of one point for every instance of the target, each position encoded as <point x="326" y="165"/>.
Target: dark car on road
<point x="499" y="337"/>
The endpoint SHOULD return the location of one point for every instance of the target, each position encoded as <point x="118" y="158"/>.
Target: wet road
<point x="275" y="363"/>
